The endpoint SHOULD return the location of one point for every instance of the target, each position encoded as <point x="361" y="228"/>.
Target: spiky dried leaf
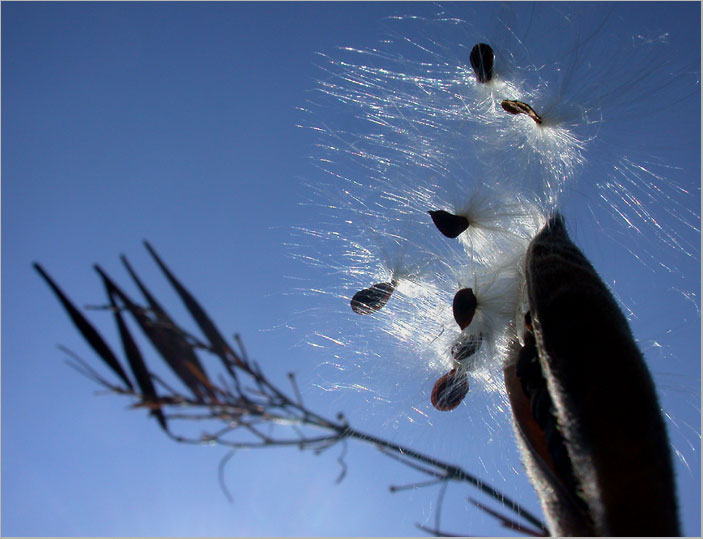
<point x="87" y="330"/>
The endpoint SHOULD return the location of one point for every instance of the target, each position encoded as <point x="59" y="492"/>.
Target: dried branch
<point x="508" y="522"/>
<point x="244" y="399"/>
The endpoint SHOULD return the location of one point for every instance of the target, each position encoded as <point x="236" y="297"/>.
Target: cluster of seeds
<point x="452" y="387"/>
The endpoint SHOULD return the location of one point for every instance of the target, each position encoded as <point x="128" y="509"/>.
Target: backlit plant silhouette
<point x="245" y="408"/>
<point x="460" y="162"/>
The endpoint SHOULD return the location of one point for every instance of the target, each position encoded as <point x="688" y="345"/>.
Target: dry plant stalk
<point x="248" y="410"/>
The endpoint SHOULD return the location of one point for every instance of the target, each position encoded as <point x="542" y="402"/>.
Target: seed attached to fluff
<point x="372" y="299"/>
<point x="481" y="58"/>
<point x="450" y="390"/>
<point x="448" y="224"/>
<point x="518" y="107"/>
<point x="464" y="307"/>
<point x="466" y="347"/>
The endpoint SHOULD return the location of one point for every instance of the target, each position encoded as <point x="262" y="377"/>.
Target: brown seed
<point x="466" y="347"/>
<point x="450" y="390"/>
<point x="464" y="307"/>
<point x="481" y="58"/>
<point x="448" y="224"/>
<point x="372" y="299"/>
<point x="518" y="107"/>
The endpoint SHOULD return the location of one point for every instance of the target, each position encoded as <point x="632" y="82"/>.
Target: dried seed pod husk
<point x="481" y="58"/>
<point x="464" y="307"/>
<point x="372" y="299"/>
<point x="518" y="107"/>
<point x="449" y="224"/>
<point x="450" y="390"/>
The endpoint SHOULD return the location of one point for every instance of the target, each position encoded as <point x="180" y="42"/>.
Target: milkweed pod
<point x="466" y="347"/>
<point x="464" y="307"/>
<point x="518" y="107"/>
<point x="481" y="58"/>
<point x="448" y="224"/>
<point x="372" y="299"/>
<point x="450" y="390"/>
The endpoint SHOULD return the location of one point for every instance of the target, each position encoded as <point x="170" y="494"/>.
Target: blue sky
<point x="177" y="123"/>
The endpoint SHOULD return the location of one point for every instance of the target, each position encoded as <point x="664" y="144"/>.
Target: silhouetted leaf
<point x="166" y="322"/>
<point x="87" y="330"/>
<point x="134" y="356"/>
<point x="173" y="350"/>
<point x="217" y="342"/>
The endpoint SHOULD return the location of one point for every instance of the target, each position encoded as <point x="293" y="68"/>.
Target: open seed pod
<point x="587" y="418"/>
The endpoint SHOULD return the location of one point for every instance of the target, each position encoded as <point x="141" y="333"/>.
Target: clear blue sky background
<point x="177" y="123"/>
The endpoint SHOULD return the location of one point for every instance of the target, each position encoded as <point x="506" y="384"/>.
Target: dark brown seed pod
<point x="466" y="347"/>
<point x="448" y="224"/>
<point x="450" y="390"/>
<point x="464" y="307"/>
<point x="481" y="58"/>
<point x="518" y="107"/>
<point x="372" y="299"/>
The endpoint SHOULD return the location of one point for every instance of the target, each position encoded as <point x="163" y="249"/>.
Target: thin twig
<point x="221" y="474"/>
<point x="298" y="396"/>
<point x="440" y="502"/>
<point x="422" y="484"/>
<point x="508" y="522"/>
<point x="438" y="533"/>
<point x="342" y="462"/>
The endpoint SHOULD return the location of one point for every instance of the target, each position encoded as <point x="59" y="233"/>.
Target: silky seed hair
<point x="418" y="133"/>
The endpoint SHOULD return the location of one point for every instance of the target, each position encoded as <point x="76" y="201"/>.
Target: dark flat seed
<point x="448" y="224"/>
<point x="372" y="299"/>
<point x="466" y="347"/>
<point x="481" y="58"/>
<point x="450" y="390"/>
<point x="518" y="107"/>
<point x="464" y="307"/>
